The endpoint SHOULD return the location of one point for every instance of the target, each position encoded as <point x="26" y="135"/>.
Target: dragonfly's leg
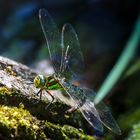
<point x="77" y="106"/>
<point x="74" y="108"/>
<point x="71" y="110"/>
<point x="51" y="100"/>
<point x="39" y="92"/>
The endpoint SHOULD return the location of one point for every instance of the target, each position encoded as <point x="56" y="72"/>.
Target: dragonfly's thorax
<point x="53" y="83"/>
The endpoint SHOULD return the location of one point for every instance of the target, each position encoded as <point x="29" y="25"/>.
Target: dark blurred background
<point x="103" y="28"/>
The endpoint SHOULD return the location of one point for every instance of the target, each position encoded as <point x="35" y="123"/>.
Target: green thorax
<point x="52" y="83"/>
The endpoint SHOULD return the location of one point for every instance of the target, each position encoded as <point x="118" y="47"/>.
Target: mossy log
<point x="23" y="114"/>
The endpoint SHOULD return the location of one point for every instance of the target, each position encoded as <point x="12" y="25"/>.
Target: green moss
<point x="10" y="97"/>
<point x="4" y="91"/>
<point x="53" y="130"/>
<point x="135" y="132"/>
<point x="65" y="132"/>
<point x="16" y="123"/>
<point x="73" y="132"/>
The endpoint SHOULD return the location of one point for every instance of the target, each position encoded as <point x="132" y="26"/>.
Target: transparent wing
<point x="105" y="114"/>
<point x="90" y="113"/>
<point x="72" y="57"/>
<point x="53" y="38"/>
<point x="85" y="105"/>
<point x="107" y="118"/>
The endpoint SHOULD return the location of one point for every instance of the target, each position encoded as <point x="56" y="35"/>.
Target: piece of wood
<point x="16" y="89"/>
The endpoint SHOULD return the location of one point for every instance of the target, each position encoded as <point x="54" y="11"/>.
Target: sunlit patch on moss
<point x="21" y="105"/>
<point x="18" y="123"/>
<point x="6" y="91"/>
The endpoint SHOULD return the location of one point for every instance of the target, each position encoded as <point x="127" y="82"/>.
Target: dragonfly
<point x="68" y="63"/>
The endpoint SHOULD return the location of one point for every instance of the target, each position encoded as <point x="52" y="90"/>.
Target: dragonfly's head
<point x="40" y="81"/>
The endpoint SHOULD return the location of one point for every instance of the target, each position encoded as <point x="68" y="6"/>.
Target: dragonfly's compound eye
<point x="39" y="81"/>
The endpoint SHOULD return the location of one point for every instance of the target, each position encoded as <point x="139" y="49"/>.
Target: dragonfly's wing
<point x="105" y="114"/>
<point x="95" y="115"/>
<point x="91" y="115"/>
<point x="107" y="118"/>
<point x="85" y="105"/>
<point x="72" y="57"/>
<point x="53" y="38"/>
